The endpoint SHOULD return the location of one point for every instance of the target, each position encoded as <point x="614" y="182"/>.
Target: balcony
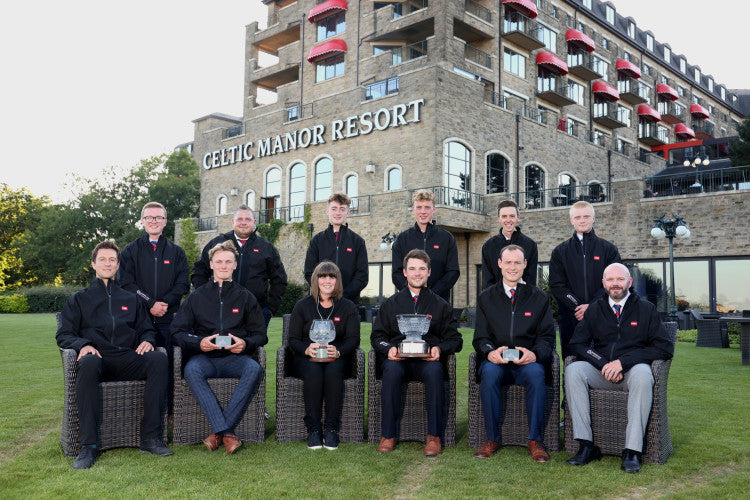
<point x="296" y="112"/>
<point x="461" y="210"/>
<point x="553" y="89"/>
<point x="283" y="29"/>
<point x="521" y="31"/>
<point x="286" y="70"/>
<point x="631" y="90"/>
<point x="477" y="56"/>
<point x="562" y="196"/>
<point x="606" y="114"/>
<point x="398" y="22"/>
<point x="585" y="66"/>
<point x="478" y="10"/>
<point x="708" y="180"/>
<point x="381" y="88"/>
<point x="652" y="134"/>
<point x="408" y="52"/>
<point x="671" y="112"/>
<point x="703" y="129"/>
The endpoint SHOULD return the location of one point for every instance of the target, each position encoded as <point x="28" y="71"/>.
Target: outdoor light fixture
<point x="695" y="164"/>
<point x="388" y="240"/>
<point x="669" y="228"/>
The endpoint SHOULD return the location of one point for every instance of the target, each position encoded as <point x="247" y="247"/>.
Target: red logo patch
<point x="256" y="250"/>
<point x="235" y="310"/>
<point x="124" y="308"/>
<point x="166" y="262"/>
<point x="435" y="246"/>
<point x="429" y="316"/>
<point x="348" y="249"/>
<point x="633" y="323"/>
<point x="527" y="314"/>
<point x="336" y="318"/>
<point x="596" y="257"/>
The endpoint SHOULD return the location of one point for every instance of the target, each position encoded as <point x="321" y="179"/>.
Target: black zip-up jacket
<point x="440" y="245"/>
<point x="639" y="337"/>
<point x="576" y="271"/>
<point x="344" y="315"/>
<point x="443" y="330"/>
<point x="161" y="275"/>
<point x="349" y="254"/>
<point x="106" y="317"/>
<point x="491" y="253"/>
<point x="207" y="311"/>
<point x="259" y="269"/>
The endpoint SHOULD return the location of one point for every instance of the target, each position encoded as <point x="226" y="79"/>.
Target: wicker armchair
<point x="413" y="425"/>
<point x="190" y="426"/>
<point x="514" y="426"/>
<point x="711" y="333"/>
<point x="290" y="404"/>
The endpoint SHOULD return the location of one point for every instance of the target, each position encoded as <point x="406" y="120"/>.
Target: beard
<point x="616" y="294"/>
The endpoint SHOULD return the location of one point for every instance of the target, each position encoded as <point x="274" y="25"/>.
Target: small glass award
<point x="413" y="326"/>
<point x="322" y="331"/>
<point x="511" y="355"/>
<point x="223" y="341"/>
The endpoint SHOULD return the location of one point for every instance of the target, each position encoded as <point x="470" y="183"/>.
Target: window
<point x="457" y="171"/>
<point x="600" y="138"/>
<point x="647" y="69"/>
<point x="650" y="42"/>
<point x="514" y="62"/>
<point x="697" y="75"/>
<point x="710" y="82"/>
<point x="534" y="186"/>
<point x="710" y="109"/>
<point x="382" y="88"/>
<point x="622" y="147"/>
<point x="331" y="25"/>
<point x="553" y="11"/>
<point x="623" y="115"/>
<point x="695" y="99"/>
<point x="547" y="37"/>
<point x="663" y="79"/>
<point x="596" y="192"/>
<point x="497" y="173"/>
<point x="723" y="93"/>
<point x="681" y="91"/>
<point x="393" y="177"/>
<point x="610" y="11"/>
<point x="297" y="183"/>
<point x="605" y="43"/>
<point x="576" y="92"/>
<point x="732" y="277"/>
<point x="323" y="178"/>
<point x="329" y="68"/>
<point x="221" y="204"/>
<point x="273" y="189"/>
<point x="569" y="20"/>
<point x="587" y="4"/>
<point x="250" y="199"/>
<point x="573" y="127"/>
<point x="351" y="188"/>
<point x="600" y="66"/>
<point x="626" y="56"/>
<point x="580" y="26"/>
<point x="631" y="29"/>
<point x="667" y="54"/>
<point x="567" y="190"/>
<point x="683" y="65"/>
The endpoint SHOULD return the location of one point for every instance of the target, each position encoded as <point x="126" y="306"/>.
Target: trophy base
<point x="413" y="350"/>
<point x="321" y="360"/>
<point x="322" y="356"/>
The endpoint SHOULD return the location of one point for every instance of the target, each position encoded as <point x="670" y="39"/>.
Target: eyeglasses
<point x="158" y="218"/>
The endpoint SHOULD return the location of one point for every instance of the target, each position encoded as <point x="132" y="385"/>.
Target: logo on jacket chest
<point x="436" y="247"/>
<point x="633" y="323"/>
<point x="235" y="310"/>
<point x="348" y="249"/>
<point x="336" y="318"/>
<point x="527" y="314"/>
<point x="124" y="308"/>
<point x="596" y="257"/>
<point x="166" y="262"/>
<point x="256" y="250"/>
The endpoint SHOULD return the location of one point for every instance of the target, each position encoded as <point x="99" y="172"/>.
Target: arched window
<point x="270" y="202"/>
<point x="393" y="179"/>
<point x="497" y="173"/>
<point x="323" y="178"/>
<point x="597" y="193"/>
<point x="351" y="187"/>
<point x="567" y="194"/>
<point x="534" y="186"/>
<point x="250" y="199"/>
<point x="297" y="184"/>
<point x="457" y="174"/>
<point x="221" y="204"/>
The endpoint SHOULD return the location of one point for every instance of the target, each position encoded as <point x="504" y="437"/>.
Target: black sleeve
<point x="126" y="274"/>
<point x="482" y="342"/>
<point x="443" y="286"/>
<point x="350" y="322"/>
<point x="580" y="343"/>
<point x="489" y="266"/>
<point x="558" y="282"/>
<point x="181" y="329"/>
<point x="361" y="275"/>
<point x="532" y="263"/>
<point x="312" y="258"/>
<point x="380" y="339"/>
<point x="202" y="268"/>
<point x="298" y="338"/>
<point x="254" y="326"/>
<point x="397" y="263"/>
<point x="181" y="284"/>
<point x="451" y="340"/>
<point x="70" y="324"/>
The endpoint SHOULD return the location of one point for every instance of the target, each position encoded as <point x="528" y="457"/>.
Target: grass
<point x="708" y="409"/>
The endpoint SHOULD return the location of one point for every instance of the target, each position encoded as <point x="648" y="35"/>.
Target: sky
<point x="89" y="85"/>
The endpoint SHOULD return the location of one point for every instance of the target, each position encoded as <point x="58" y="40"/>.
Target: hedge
<point x="43" y="299"/>
<point x="292" y="295"/>
<point x="13" y="304"/>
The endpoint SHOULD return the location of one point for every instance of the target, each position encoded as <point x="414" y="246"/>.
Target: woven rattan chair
<point x="413" y="425"/>
<point x="711" y="333"/>
<point x="190" y="426"/>
<point x="514" y="427"/>
<point x="290" y="404"/>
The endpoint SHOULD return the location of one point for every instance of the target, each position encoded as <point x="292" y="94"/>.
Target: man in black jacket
<point x="575" y="269"/>
<point x="259" y="268"/>
<point x="212" y="312"/>
<point x="442" y="338"/>
<point x="342" y="246"/>
<point x="114" y="337"/>
<point x="510" y="234"/>
<point x="619" y="337"/>
<point x="438" y="243"/>
<point x="513" y="315"/>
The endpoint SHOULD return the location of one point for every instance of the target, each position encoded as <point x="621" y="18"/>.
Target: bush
<point x="42" y="299"/>
<point x="13" y="304"/>
<point x="292" y="295"/>
<point x="687" y="336"/>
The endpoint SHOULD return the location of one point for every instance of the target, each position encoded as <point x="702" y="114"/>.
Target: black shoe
<point x="587" y="452"/>
<point x="631" y="461"/>
<point x="314" y="441"/>
<point x="155" y="446"/>
<point x="331" y="440"/>
<point x="86" y="457"/>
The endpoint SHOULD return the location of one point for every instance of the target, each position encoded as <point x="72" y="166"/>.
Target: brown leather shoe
<point x="433" y="447"/>
<point x="386" y="444"/>
<point x="488" y="448"/>
<point x="212" y="442"/>
<point x="232" y="443"/>
<point x="537" y="451"/>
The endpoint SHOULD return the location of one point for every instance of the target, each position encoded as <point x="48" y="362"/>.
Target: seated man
<point x="619" y="337"/>
<point x="111" y="330"/>
<point x="221" y="307"/>
<point x="443" y="339"/>
<point x="513" y="315"/>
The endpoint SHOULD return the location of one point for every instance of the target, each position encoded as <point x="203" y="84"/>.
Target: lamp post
<point x="669" y="228"/>
<point x="695" y="164"/>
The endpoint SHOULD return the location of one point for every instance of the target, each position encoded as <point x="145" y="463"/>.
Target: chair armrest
<point x="371" y="368"/>
<point x="281" y="363"/>
<point x="359" y="364"/>
<point x="260" y="356"/>
<point x="569" y="360"/>
<point x="177" y="363"/>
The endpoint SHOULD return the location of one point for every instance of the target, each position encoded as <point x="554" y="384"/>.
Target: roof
<point x="220" y="116"/>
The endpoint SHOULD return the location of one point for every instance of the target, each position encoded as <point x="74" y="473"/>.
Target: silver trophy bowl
<point x="413" y="326"/>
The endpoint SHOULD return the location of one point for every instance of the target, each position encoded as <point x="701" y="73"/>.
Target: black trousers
<point x="567" y="322"/>
<point x="164" y="339"/>
<point x="123" y="365"/>
<point x="322" y="382"/>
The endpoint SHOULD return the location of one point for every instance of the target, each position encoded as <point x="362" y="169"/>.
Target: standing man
<point x="114" y="337"/>
<point x="342" y="246"/>
<point x="221" y="308"/>
<point x="513" y="315"/>
<point x="259" y="268"/>
<point x="575" y="268"/>
<point x="510" y="234"/>
<point x="619" y="337"/>
<point x="442" y="338"/>
<point x="439" y="244"/>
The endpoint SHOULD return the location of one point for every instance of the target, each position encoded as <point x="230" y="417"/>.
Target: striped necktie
<point x="512" y="295"/>
<point x="617" y="308"/>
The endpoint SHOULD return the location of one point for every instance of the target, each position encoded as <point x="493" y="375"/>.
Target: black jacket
<point x="349" y="254"/>
<point x="108" y="318"/>
<point x="259" y="269"/>
<point x="440" y="245"/>
<point x="207" y="311"/>
<point x="575" y="275"/>
<point x="639" y="337"/>
<point x="491" y="253"/>
<point x="345" y="318"/>
<point x="161" y="275"/>
<point x="443" y="330"/>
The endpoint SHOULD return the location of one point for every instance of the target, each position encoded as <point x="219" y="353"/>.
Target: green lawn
<point x="708" y="412"/>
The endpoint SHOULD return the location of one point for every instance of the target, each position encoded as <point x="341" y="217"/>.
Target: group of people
<point x="117" y="323"/>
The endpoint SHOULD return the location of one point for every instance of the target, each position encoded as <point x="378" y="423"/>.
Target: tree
<point x="177" y="188"/>
<point x="189" y="241"/>
<point x="19" y="212"/>
<point x="739" y="149"/>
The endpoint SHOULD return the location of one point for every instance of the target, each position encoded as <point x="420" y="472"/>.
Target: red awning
<point x="665" y="90"/>
<point x="646" y="111"/>
<point x="525" y="7"/>
<point x="579" y="38"/>
<point x="698" y="110"/>
<point x="682" y="129"/>
<point x="326" y="49"/>
<point x="605" y="90"/>
<point x="628" y="67"/>
<point x="551" y="61"/>
<point x="325" y="8"/>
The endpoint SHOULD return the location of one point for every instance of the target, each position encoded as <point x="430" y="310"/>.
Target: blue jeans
<point x="493" y="376"/>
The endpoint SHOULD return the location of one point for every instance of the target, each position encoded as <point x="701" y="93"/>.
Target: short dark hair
<point x="507" y="203"/>
<point x="105" y="245"/>
<point x="340" y="198"/>
<point x="326" y="268"/>
<point x="509" y="248"/>
<point x="417" y="254"/>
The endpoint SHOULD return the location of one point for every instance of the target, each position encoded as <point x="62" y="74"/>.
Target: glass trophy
<point x="322" y="331"/>
<point x="511" y="355"/>
<point x="413" y="326"/>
